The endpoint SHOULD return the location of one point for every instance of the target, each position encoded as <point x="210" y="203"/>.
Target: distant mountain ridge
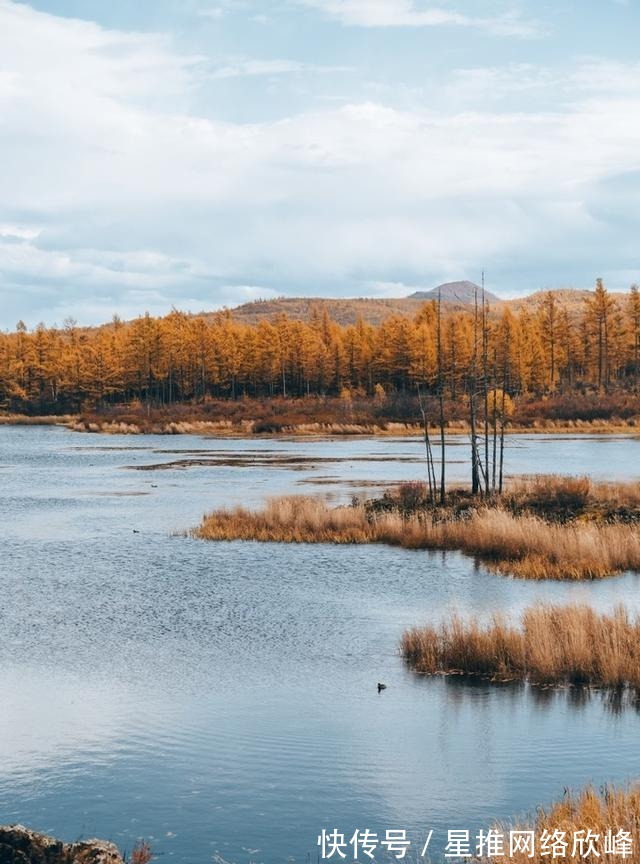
<point x="455" y="292"/>
<point x="374" y="310"/>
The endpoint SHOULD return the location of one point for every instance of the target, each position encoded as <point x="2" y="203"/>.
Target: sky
<point x="203" y="153"/>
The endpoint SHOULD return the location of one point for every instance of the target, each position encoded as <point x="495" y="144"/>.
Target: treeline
<point x="552" y="348"/>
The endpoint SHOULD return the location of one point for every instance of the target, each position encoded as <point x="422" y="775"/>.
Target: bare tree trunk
<point x="475" y="478"/>
<point x="494" y="420"/>
<point x="485" y="384"/>
<point x="503" y="418"/>
<point x="431" y="475"/>
<point x="441" y="402"/>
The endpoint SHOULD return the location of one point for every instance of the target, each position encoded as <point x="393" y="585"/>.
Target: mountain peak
<point x="455" y="292"/>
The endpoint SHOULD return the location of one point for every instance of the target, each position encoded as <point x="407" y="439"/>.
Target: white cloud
<point x="409" y="13"/>
<point x="140" y="202"/>
<point x="246" y="293"/>
<point x="246" y="67"/>
<point x="94" y="268"/>
<point x="213" y="12"/>
<point x="222" y="8"/>
<point x="18" y="232"/>
<point x="393" y="289"/>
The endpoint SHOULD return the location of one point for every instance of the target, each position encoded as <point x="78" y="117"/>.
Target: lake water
<point x="220" y="699"/>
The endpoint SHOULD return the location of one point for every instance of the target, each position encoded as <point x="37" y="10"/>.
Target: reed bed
<point x="12" y="419"/>
<point x="551" y="645"/>
<point x="506" y="537"/>
<point x="565" y="498"/>
<point x="606" y="813"/>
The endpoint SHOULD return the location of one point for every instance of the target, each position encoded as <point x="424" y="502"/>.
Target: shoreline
<point x="252" y="428"/>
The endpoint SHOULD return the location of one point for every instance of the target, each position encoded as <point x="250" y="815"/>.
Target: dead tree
<point x="431" y="474"/>
<point x="476" y="462"/>
<point x="441" y="403"/>
<point x="494" y="423"/>
<point x="503" y="409"/>
<point x="485" y="385"/>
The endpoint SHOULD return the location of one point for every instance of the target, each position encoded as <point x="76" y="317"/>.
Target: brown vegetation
<point x="7" y="419"/>
<point x="549" y="528"/>
<point x="141" y="853"/>
<point x="393" y="415"/>
<point x="564" y="499"/>
<point x="553" y="645"/>
<point x="308" y="415"/>
<point x="605" y="813"/>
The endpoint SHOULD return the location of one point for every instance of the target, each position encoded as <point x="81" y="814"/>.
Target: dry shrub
<point x="141" y="853"/>
<point x="549" y="494"/>
<point x="580" y="407"/>
<point x="559" y="498"/>
<point x="553" y="645"/>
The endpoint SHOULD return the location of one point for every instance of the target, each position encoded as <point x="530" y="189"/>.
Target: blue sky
<point x="200" y="153"/>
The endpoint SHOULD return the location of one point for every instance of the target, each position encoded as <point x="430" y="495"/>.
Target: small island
<point x="538" y="528"/>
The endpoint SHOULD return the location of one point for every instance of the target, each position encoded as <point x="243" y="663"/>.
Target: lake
<point x="220" y="700"/>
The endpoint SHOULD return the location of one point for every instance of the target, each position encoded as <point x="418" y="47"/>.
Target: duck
<point x="381" y="687"/>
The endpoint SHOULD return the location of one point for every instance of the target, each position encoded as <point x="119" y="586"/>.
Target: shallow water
<point x="221" y="698"/>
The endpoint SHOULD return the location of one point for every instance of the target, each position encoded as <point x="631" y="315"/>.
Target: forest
<point x="445" y="352"/>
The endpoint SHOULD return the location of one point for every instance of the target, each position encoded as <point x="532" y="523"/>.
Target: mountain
<point x="370" y="309"/>
<point x="374" y="310"/>
<point x="455" y="292"/>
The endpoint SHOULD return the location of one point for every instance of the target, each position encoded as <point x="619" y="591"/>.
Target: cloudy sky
<point x="199" y="153"/>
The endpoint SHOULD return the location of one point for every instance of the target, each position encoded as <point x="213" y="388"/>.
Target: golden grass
<point x="235" y="427"/>
<point x="226" y="428"/>
<point x="573" y="494"/>
<point x="604" y="812"/>
<point x="552" y="645"/>
<point x="141" y="853"/>
<point x="241" y="428"/>
<point x="520" y="544"/>
<point x="11" y="419"/>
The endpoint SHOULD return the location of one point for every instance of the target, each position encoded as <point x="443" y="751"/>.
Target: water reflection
<point x="465" y="690"/>
<point x="222" y="697"/>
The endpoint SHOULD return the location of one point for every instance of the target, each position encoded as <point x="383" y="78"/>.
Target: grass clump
<point x="607" y="813"/>
<point x="142" y="853"/>
<point x="552" y="645"/>
<point x="542" y="528"/>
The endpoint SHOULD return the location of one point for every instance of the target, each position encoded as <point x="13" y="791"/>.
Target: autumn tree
<point x="598" y="320"/>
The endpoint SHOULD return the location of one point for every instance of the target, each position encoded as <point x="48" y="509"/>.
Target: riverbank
<point x="9" y="419"/>
<point x="541" y="528"/>
<point x="251" y="428"/>
<point x="392" y="429"/>
<point x="557" y="645"/>
<point x="394" y="414"/>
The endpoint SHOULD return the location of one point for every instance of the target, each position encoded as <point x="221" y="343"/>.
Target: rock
<point x="19" y="845"/>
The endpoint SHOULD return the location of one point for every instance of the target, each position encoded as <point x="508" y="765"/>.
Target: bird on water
<point x="381" y="687"/>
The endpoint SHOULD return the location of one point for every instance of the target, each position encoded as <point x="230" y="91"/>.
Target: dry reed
<point x="142" y="853"/>
<point x="552" y="645"/>
<point x="604" y="813"/>
<point x="567" y="497"/>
